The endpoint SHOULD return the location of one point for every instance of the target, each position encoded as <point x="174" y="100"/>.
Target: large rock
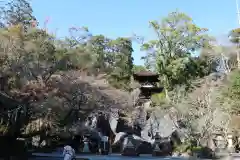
<point x="119" y="138"/>
<point x="113" y="121"/>
<point x="158" y="122"/>
<point x="144" y="147"/>
<point x="100" y="123"/>
<point x="140" y="118"/>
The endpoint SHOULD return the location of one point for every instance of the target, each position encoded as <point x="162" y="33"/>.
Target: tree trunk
<point x="238" y="57"/>
<point x="166" y="88"/>
<point x="166" y="93"/>
<point x="225" y="64"/>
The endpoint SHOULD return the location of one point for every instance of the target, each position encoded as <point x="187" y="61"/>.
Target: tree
<point x="19" y="12"/>
<point x="231" y="92"/>
<point x="138" y="68"/>
<point x="120" y="77"/>
<point x="234" y="38"/>
<point x="170" y="54"/>
<point x="220" y="58"/>
<point x="203" y="112"/>
<point x="103" y="59"/>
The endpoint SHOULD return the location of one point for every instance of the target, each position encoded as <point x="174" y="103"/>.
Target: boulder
<point x="185" y="155"/>
<point x="119" y="138"/>
<point x="175" y="154"/>
<point x="113" y="121"/>
<point x="144" y="147"/>
<point x="161" y="123"/>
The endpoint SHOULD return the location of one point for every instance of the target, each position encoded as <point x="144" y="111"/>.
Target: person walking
<point x="68" y="153"/>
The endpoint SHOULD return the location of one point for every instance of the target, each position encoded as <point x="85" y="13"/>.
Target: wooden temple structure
<point x="148" y="82"/>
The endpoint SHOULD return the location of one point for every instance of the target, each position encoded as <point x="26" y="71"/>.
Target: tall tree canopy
<point x="177" y="37"/>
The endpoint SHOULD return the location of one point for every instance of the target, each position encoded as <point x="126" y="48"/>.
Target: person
<point x="68" y="153"/>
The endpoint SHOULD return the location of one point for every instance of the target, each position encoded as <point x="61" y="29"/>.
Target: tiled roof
<point x="145" y="73"/>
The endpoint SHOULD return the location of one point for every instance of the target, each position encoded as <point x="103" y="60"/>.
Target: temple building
<point x="148" y="84"/>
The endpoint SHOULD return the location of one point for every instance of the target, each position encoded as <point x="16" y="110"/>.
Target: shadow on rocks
<point x="205" y="153"/>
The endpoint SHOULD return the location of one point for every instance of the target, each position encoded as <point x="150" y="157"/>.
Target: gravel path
<point x="57" y="156"/>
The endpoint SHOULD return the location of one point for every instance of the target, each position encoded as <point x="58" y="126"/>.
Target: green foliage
<point x="3" y="129"/>
<point x="197" y="149"/>
<point x="170" y="53"/>
<point x="102" y="57"/>
<point x="188" y="146"/>
<point x="234" y="36"/>
<point x="158" y="99"/>
<point x="231" y="92"/>
<point x="182" y="148"/>
<point x="121" y="74"/>
<point x="138" y="68"/>
<point x="18" y="12"/>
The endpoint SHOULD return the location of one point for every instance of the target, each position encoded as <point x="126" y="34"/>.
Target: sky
<point x="124" y="18"/>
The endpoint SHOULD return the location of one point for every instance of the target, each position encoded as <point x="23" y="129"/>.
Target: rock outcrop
<point x="161" y="123"/>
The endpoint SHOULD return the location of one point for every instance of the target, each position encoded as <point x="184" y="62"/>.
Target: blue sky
<point x="115" y="18"/>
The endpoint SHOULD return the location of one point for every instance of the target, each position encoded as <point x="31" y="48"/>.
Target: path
<point x="57" y="156"/>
